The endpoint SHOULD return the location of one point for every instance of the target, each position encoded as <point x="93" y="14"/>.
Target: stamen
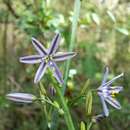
<point x="47" y="58"/>
<point x="113" y="94"/>
<point x="51" y="57"/>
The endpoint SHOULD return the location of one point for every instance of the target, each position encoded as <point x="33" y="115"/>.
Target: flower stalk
<point x="73" y="37"/>
<point x="65" y="108"/>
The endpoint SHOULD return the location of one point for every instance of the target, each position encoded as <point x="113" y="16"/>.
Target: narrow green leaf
<point x="89" y="126"/>
<point x="73" y="38"/>
<point x="89" y="99"/>
<point x="85" y="87"/>
<point x="123" y="31"/>
<point x="82" y="126"/>
<point x="111" y="15"/>
<point x="96" y="18"/>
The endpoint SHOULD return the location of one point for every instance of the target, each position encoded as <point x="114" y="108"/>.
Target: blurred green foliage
<point x="103" y="38"/>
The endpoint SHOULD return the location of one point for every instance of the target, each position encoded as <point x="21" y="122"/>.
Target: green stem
<point x="73" y="36"/>
<point x="72" y="41"/>
<point x="89" y="126"/>
<point x="65" y="108"/>
<point x="5" y="54"/>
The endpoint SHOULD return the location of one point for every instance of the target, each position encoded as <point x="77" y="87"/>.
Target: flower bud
<point x="21" y="97"/>
<point x="52" y="91"/>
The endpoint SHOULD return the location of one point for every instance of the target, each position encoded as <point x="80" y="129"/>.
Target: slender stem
<point x="65" y="108"/>
<point x="73" y="36"/>
<point x="5" y="54"/>
<point x="54" y="121"/>
<point x="72" y="41"/>
<point x="89" y="126"/>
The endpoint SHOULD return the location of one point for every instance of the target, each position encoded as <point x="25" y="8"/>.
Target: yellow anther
<point x="47" y="58"/>
<point x="113" y="94"/>
<point x="51" y="57"/>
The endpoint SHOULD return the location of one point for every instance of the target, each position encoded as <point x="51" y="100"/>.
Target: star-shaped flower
<point x="107" y="92"/>
<point x="47" y="58"/>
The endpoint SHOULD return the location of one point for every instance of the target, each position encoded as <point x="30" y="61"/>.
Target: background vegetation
<point x="102" y="38"/>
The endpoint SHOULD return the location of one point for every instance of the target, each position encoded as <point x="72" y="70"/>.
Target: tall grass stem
<point x="72" y="38"/>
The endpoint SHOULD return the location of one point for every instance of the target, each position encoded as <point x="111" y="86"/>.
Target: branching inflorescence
<point x="48" y="58"/>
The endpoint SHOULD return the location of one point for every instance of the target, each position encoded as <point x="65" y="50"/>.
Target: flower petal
<point x="111" y="81"/>
<point x="21" y="97"/>
<point x="105" y="108"/>
<point x="40" y="72"/>
<point x="39" y="47"/>
<point x="115" y="89"/>
<point x="56" y="72"/>
<point x="113" y="102"/>
<point x="98" y="118"/>
<point x="54" y="44"/>
<point x="64" y="56"/>
<point x="31" y="59"/>
<point x="105" y="75"/>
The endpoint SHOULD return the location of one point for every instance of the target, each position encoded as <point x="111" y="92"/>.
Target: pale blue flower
<point x="107" y="92"/>
<point x="47" y="58"/>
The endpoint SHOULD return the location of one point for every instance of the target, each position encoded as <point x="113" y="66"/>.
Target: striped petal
<point x="21" y="97"/>
<point x="113" y="102"/>
<point x="54" y="44"/>
<point x="64" y="56"/>
<point x="56" y="72"/>
<point x="40" y="72"/>
<point x="115" y="89"/>
<point x="105" y="108"/>
<point x="30" y="59"/>
<point x="98" y="118"/>
<point x="111" y="81"/>
<point x="105" y="75"/>
<point x="39" y="47"/>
